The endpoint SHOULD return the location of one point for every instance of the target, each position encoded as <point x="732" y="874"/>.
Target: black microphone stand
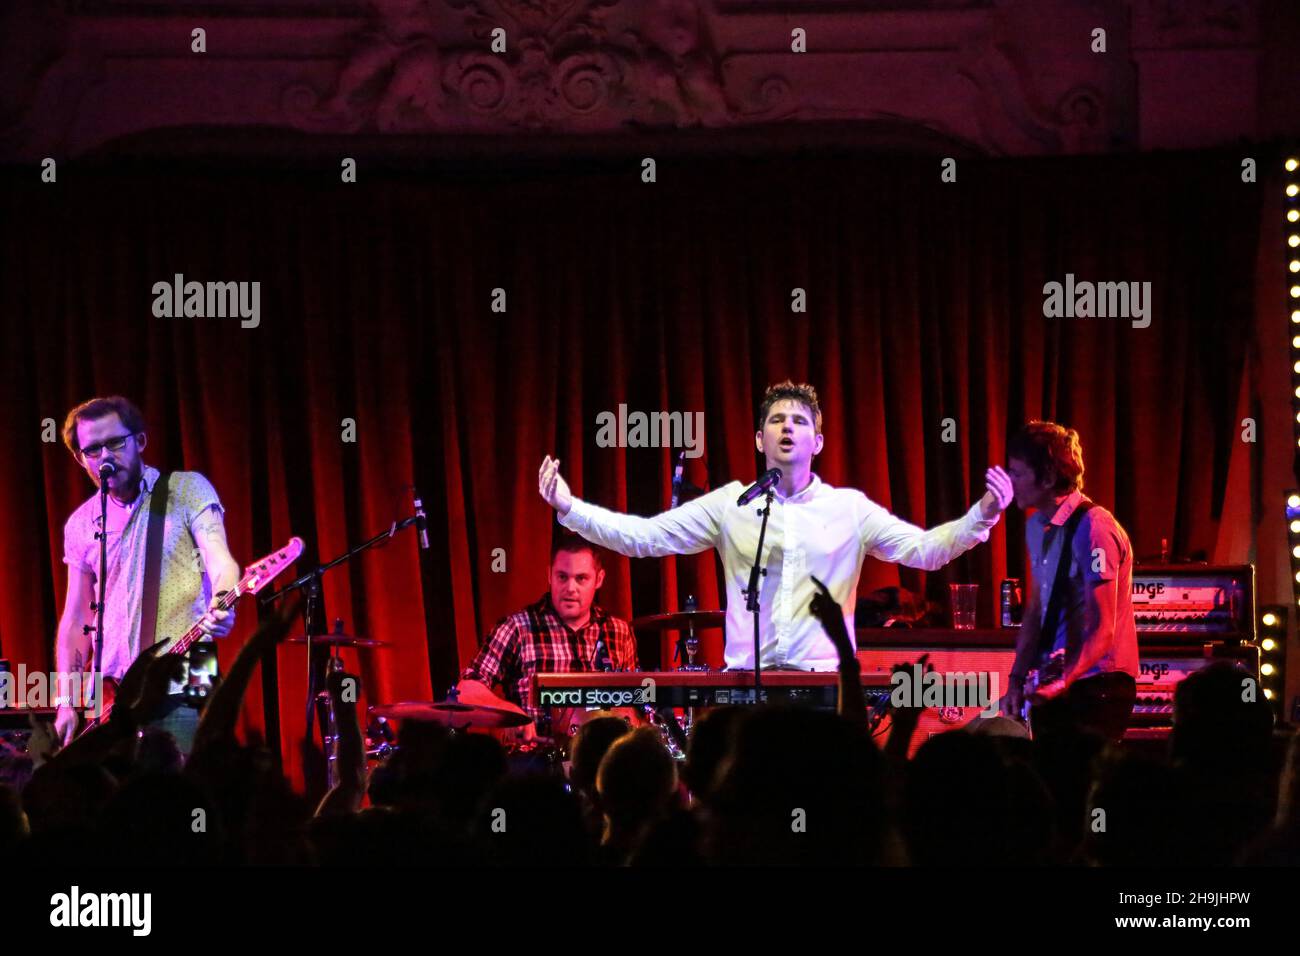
<point x="311" y="581"/>
<point x="751" y="593"/>
<point x="97" y="681"/>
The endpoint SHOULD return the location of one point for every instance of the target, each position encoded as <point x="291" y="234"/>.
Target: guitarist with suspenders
<point x="168" y="561"/>
<point x="1078" y="634"/>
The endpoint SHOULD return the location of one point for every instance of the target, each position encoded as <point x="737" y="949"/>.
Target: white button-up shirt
<point x="821" y="531"/>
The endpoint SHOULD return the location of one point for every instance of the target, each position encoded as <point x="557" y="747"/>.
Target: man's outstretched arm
<point x="890" y="538"/>
<point x="688" y="529"/>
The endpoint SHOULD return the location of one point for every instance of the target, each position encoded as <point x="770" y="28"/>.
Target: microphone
<point x="677" y="479"/>
<point x="764" y="484"/>
<point x="421" y="521"/>
<point x="107" y="469"/>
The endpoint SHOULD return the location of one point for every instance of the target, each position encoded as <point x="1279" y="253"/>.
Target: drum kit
<point x="544" y="752"/>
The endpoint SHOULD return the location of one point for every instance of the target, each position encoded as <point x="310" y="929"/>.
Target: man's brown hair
<point x="574" y="544"/>
<point x="99" y="408"/>
<point x="1044" y="445"/>
<point x="803" y="393"/>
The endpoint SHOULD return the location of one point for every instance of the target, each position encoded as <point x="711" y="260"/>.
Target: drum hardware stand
<point x="453" y="697"/>
<point x="690" y="642"/>
<point x="669" y="728"/>
<point x="329" y="723"/>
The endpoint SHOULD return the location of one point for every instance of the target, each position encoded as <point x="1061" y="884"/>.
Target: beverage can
<point x="1012" y="602"/>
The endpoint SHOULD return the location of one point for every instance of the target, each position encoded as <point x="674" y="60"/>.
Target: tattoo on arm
<point x="209" y="532"/>
<point x="209" y="527"/>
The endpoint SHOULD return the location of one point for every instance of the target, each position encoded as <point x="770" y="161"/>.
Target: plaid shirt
<point x="536" y="640"/>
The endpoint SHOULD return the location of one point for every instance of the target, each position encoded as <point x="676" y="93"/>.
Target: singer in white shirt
<point x="814" y="530"/>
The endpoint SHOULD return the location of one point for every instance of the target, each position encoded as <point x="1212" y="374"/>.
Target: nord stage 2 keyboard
<point x="694" y="688"/>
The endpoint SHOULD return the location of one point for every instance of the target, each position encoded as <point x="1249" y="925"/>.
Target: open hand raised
<point x="552" y="486"/>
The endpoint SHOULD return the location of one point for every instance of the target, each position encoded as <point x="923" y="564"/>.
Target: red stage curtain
<point x="925" y="302"/>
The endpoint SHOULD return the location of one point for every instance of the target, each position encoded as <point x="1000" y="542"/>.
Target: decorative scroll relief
<point x="1004" y="76"/>
<point x="566" y="64"/>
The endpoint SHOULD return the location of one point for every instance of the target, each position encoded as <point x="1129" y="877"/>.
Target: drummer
<point x="565" y="631"/>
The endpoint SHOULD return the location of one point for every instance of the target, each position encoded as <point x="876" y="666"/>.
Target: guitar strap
<point x="153" y="561"/>
<point x="1052" y="619"/>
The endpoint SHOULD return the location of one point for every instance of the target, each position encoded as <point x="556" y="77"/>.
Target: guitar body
<point x="1051" y="670"/>
<point x="259" y="575"/>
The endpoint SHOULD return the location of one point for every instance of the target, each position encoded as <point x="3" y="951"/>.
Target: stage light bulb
<point x="1293" y="215"/>
<point x="1269" y="619"/>
<point x="1295" y="552"/>
<point x="1266" y="669"/>
<point x="1292" y="190"/>
<point x="1290" y="164"/>
<point x="1295" y="341"/>
<point x="1293" y="265"/>
<point x="1293" y="501"/>
<point x="1295" y="316"/>
<point x="1295" y="525"/>
<point x="1295" y="292"/>
<point x="1267" y="644"/>
<point x="1268" y="694"/>
<point x="1293" y="241"/>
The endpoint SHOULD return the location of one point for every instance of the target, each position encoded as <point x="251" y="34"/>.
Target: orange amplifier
<point x="1162" y="668"/>
<point x="1194" y="603"/>
<point x="985" y="651"/>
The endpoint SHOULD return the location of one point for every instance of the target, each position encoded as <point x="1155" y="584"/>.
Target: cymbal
<point x="452" y="714"/>
<point x="679" y="620"/>
<point x="337" y="640"/>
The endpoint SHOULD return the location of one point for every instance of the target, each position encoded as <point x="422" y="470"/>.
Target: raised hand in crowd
<point x="222" y="710"/>
<point x="346" y="796"/>
<point x="852" y="703"/>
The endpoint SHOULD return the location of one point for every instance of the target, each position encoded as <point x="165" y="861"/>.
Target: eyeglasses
<point x="112" y="444"/>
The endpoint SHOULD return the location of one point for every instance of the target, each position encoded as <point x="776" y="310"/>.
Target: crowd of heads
<point x="758" y="786"/>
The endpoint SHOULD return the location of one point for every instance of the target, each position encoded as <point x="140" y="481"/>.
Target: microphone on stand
<point x="765" y="482"/>
<point x="677" y="479"/>
<point x="107" y="469"/>
<point x="421" y="520"/>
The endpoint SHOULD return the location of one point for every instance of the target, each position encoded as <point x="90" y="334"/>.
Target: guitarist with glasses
<point x="179" y="576"/>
